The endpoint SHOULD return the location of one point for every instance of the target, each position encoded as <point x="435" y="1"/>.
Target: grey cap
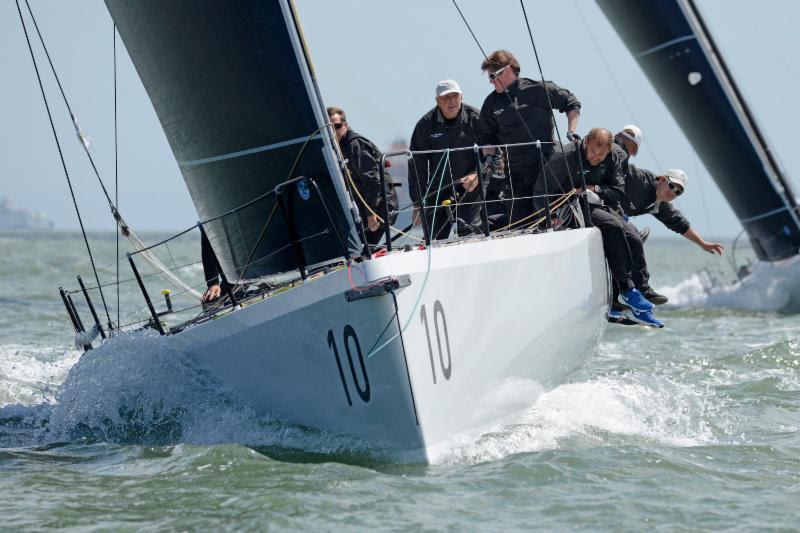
<point x="446" y="87"/>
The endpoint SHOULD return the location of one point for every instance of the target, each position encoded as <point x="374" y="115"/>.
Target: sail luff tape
<point x="249" y="151"/>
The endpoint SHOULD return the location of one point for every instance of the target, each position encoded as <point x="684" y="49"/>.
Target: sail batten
<point x="676" y="51"/>
<point x="233" y="91"/>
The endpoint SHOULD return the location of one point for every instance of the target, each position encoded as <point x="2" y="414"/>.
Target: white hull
<point x="476" y="316"/>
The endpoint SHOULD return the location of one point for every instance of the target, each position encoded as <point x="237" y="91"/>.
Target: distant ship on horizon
<point x="13" y="218"/>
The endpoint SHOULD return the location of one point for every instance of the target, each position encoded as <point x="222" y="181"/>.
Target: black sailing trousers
<point x="623" y="248"/>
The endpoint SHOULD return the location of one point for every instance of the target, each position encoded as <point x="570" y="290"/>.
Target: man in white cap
<point x="439" y="180"/>
<point x="651" y="193"/>
<point x="629" y="139"/>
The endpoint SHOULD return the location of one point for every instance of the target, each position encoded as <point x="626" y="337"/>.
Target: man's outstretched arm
<point x="710" y="247"/>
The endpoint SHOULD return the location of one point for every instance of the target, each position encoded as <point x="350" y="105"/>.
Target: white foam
<point x="598" y="412"/>
<point x="31" y="373"/>
<point x="769" y="287"/>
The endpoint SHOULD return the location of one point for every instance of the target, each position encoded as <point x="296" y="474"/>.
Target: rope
<point x="610" y="72"/>
<point x="61" y="156"/>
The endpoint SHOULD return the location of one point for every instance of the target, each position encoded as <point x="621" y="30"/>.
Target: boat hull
<point x="483" y="327"/>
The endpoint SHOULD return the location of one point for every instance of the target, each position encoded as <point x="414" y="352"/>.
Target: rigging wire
<point x="610" y="73"/>
<point x="116" y="152"/>
<point x="510" y="100"/>
<point x="132" y="238"/>
<point x="469" y="28"/>
<point x="61" y="156"/>
<point x="69" y="108"/>
<point x="546" y="92"/>
<point x="772" y="47"/>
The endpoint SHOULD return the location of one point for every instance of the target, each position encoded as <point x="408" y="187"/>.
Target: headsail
<point x="677" y="53"/>
<point x="235" y="94"/>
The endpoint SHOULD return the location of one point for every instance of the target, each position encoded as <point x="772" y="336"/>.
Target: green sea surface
<point x="693" y="427"/>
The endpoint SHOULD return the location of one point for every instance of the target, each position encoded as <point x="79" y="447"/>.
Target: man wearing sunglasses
<point x="520" y="111"/>
<point x="648" y="192"/>
<point x="363" y="165"/>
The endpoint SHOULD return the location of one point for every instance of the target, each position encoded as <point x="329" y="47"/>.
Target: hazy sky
<point x="380" y="61"/>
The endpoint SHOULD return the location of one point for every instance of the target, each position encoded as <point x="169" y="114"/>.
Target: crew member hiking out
<point x="519" y="111"/>
<point x="363" y="164"/>
<point x="447" y="183"/>
<point x="649" y="193"/>
<point x="605" y="192"/>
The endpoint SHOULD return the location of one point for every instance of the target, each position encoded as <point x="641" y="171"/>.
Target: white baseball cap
<point x="676" y="176"/>
<point x="637" y="134"/>
<point x="446" y="87"/>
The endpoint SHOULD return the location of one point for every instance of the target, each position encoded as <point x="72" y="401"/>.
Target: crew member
<point x="439" y="180"/>
<point x="649" y="193"/>
<point x="363" y="163"/>
<point x="629" y="139"/>
<point x="519" y="111"/>
<point x="601" y="167"/>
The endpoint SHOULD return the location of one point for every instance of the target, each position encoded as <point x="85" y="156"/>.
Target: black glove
<point x="489" y="160"/>
<point x="573" y="137"/>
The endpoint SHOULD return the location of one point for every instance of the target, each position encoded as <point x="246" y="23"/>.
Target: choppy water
<point x="696" y="426"/>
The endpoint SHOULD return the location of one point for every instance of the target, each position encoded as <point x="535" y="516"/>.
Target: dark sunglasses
<point x="493" y="75"/>
<point x="675" y="188"/>
<point x="339" y="125"/>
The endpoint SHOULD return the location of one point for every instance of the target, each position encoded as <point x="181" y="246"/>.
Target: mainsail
<point x="673" y="46"/>
<point x="237" y="99"/>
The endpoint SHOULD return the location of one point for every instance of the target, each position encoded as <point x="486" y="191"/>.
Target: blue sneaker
<point x="644" y="318"/>
<point x="634" y="299"/>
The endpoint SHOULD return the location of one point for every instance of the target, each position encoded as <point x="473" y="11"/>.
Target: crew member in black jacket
<point x="363" y="163"/>
<point x="600" y="160"/>
<point x="649" y="193"/>
<point x="629" y="139"/>
<point x="440" y="180"/>
<point x="519" y="111"/>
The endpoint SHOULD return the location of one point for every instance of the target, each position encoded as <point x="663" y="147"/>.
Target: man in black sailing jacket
<point x="629" y="139"/>
<point x="600" y="162"/>
<point x="520" y="111"/>
<point x="439" y="180"/>
<point x="649" y="193"/>
<point x="363" y="163"/>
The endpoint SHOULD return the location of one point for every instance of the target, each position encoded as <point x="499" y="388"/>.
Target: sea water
<point x="695" y="426"/>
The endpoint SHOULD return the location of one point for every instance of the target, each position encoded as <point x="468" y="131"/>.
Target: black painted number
<point x="350" y="337"/>
<point x="438" y="314"/>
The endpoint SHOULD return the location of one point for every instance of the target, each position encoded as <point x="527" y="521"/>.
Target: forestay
<point x="675" y="49"/>
<point x="237" y="99"/>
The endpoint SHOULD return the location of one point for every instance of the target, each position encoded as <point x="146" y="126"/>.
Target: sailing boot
<point x="653" y="297"/>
